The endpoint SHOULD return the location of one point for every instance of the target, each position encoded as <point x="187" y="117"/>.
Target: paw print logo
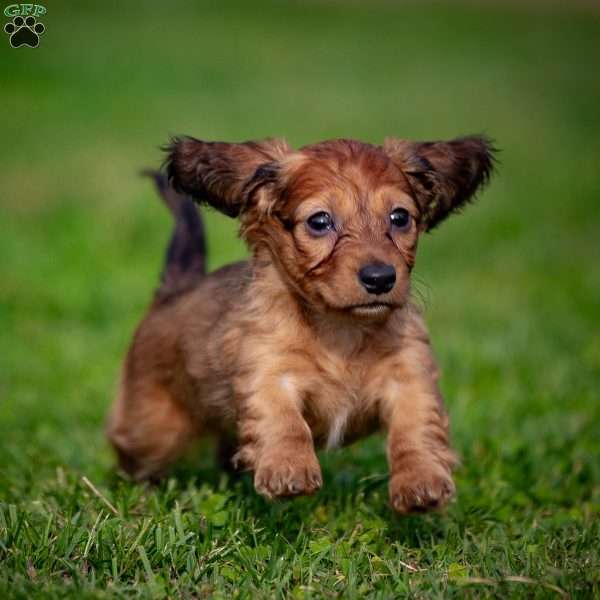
<point x="24" y="32"/>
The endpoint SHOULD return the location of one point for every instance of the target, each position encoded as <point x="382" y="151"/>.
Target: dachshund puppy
<point x="313" y="342"/>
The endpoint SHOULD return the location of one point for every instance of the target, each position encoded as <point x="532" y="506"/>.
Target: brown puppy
<point x="314" y="341"/>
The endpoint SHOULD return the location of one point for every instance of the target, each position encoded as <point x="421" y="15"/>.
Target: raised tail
<point x="185" y="261"/>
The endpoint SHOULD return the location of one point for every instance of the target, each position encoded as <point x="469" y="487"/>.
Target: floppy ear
<point x="444" y="176"/>
<point x="223" y="175"/>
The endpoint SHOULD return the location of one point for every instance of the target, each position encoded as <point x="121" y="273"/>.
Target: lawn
<point x="511" y="291"/>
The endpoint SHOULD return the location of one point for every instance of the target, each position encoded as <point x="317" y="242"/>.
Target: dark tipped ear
<point x="223" y="175"/>
<point x="444" y="175"/>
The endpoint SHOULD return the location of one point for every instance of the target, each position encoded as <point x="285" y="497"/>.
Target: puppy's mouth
<point x="371" y="309"/>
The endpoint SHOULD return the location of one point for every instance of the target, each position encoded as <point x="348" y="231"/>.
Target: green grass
<point x="512" y="290"/>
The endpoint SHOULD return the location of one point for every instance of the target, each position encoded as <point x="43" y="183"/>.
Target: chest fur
<point x="341" y="405"/>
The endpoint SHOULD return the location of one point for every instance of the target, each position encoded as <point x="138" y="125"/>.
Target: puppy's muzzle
<point x="377" y="278"/>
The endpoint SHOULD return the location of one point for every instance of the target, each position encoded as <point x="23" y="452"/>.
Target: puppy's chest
<point x="342" y="404"/>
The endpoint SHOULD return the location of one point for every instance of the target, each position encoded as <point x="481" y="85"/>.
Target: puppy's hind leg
<point x="149" y="430"/>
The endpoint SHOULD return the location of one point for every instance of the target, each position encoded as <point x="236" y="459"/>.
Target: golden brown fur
<point x="290" y="351"/>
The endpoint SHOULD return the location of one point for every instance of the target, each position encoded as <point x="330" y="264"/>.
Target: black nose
<point x="377" y="278"/>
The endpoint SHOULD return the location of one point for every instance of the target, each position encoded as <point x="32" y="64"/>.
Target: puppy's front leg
<point x="277" y="442"/>
<point x="419" y="454"/>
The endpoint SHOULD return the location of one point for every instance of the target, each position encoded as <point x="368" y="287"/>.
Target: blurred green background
<point x="511" y="288"/>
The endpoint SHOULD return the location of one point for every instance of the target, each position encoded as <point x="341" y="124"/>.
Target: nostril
<point x="377" y="278"/>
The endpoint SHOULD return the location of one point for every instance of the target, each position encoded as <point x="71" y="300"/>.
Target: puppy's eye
<point x="400" y="218"/>
<point x="319" y="223"/>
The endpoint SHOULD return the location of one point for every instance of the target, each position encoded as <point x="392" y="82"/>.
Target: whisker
<point x="421" y="292"/>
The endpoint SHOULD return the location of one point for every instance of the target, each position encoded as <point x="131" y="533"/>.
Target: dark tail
<point x="186" y="255"/>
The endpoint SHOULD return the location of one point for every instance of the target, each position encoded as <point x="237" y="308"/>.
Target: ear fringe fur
<point x="445" y="176"/>
<point x="221" y="174"/>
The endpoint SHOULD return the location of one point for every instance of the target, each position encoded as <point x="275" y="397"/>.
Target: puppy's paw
<point x="281" y="474"/>
<point x="421" y="490"/>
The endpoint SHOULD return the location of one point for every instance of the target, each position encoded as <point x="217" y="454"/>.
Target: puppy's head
<point x="341" y="218"/>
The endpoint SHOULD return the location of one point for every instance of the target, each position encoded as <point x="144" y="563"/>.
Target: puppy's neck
<point x="348" y="334"/>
